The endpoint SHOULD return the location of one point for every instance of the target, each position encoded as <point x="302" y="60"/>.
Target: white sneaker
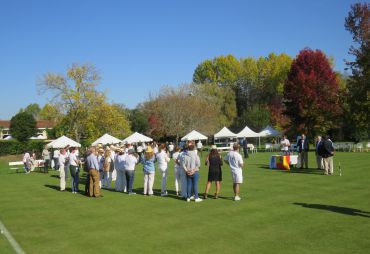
<point x="164" y="194"/>
<point x="198" y="200"/>
<point x="188" y="200"/>
<point x="192" y="198"/>
<point x="237" y="198"/>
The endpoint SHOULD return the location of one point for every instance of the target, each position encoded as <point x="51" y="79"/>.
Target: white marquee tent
<point x="269" y="132"/>
<point x="247" y="133"/>
<point x="136" y="138"/>
<point x="106" y="139"/>
<point x="225" y="133"/>
<point x="62" y="142"/>
<point x="194" y="135"/>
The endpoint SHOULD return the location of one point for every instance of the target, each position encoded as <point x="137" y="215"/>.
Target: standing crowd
<point x="102" y="165"/>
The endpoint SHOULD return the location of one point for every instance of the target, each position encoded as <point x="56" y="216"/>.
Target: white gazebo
<point x="247" y="133"/>
<point x="106" y="139"/>
<point x="194" y="135"/>
<point x="269" y="132"/>
<point x="136" y="138"/>
<point x="225" y="133"/>
<point x="62" y="142"/>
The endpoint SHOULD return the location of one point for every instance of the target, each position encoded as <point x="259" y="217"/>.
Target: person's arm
<point x="226" y="159"/>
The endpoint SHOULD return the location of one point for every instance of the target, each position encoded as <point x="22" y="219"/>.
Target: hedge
<point x="8" y="147"/>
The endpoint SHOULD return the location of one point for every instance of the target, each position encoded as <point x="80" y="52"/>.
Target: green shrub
<point x="8" y="147"/>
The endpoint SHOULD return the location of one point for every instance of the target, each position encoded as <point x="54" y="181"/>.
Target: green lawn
<point x="280" y="212"/>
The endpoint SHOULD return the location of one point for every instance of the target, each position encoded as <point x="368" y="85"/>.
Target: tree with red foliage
<point x="311" y="93"/>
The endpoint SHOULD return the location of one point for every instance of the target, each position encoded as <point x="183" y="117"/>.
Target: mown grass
<point x="280" y="212"/>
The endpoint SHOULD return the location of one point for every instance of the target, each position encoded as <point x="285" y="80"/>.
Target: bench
<point x="16" y="165"/>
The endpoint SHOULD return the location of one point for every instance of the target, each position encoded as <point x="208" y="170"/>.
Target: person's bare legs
<point x="236" y="189"/>
<point x="208" y="186"/>
<point x="218" y="188"/>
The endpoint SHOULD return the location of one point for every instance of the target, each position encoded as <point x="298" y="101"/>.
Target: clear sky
<point x="139" y="46"/>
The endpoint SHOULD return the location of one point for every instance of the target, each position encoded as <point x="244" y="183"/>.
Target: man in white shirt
<point x="74" y="170"/>
<point x="235" y="161"/>
<point x="163" y="159"/>
<point x="26" y="162"/>
<point x="171" y="149"/>
<point x="200" y="147"/>
<point x="56" y="159"/>
<point x="129" y="164"/>
<point x="285" y="144"/>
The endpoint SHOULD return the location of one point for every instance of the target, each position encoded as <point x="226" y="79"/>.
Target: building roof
<point x="41" y="124"/>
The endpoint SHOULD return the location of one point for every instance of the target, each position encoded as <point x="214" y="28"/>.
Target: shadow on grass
<point x="57" y="188"/>
<point x="336" y="209"/>
<point x="314" y="171"/>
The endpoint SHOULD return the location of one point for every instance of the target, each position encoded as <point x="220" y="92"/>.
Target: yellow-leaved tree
<point x="85" y="113"/>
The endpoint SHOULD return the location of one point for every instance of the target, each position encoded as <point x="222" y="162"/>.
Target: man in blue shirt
<point x="93" y="167"/>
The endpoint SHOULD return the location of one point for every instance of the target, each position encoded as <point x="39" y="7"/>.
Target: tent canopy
<point x="136" y="138"/>
<point x="247" y="133"/>
<point x="106" y="139"/>
<point x="62" y="142"/>
<point x="194" y="135"/>
<point x="269" y="132"/>
<point x="225" y="133"/>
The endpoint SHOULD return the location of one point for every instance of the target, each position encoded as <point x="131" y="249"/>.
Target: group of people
<point x="101" y="163"/>
<point x="324" y="151"/>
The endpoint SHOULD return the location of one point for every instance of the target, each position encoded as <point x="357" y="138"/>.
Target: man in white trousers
<point x="163" y="159"/>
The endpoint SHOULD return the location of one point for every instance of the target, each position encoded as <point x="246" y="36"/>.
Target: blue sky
<point x="139" y="46"/>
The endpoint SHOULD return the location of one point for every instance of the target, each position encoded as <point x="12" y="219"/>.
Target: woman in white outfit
<point x="177" y="170"/>
<point x="163" y="158"/>
<point x="120" y="167"/>
<point x="63" y="169"/>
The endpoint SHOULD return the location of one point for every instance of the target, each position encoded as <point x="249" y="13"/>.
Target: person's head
<point x="318" y="138"/>
<point x="163" y="147"/>
<point x="284" y="136"/>
<point x="191" y="147"/>
<point x="101" y="151"/>
<point x="149" y="153"/>
<point x="324" y="137"/>
<point x="303" y="136"/>
<point x="92" y="150"/>
<point x="46" y="147"/>
<point x="236" y="147"/>
<point x="214" y="152"/>
<point x="177" y="149"/>
<point x="62" y="151"/>
<point x="120" y="151"/>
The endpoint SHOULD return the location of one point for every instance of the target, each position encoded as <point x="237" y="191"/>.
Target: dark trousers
<point x="130" y="175"/>
<point x="46" y="166"/>
<point x="245" y="150"/>
<point x="75" y="174"/>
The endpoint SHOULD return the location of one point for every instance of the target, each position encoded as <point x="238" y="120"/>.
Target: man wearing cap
<point x="93" y="167"/>
<point x="235" y="161"/>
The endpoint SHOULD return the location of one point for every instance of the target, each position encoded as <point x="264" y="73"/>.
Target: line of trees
<point x="297" y="95"/>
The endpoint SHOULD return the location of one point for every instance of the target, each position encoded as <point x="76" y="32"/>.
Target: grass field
<point x="280" y="212"/>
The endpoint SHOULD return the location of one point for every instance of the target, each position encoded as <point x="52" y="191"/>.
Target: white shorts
<point x="237" y="176"/>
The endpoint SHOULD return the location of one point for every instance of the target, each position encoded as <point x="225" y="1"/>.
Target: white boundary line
<point x="11" y="240"/>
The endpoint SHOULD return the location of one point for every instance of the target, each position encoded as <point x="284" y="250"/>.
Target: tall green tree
<point x="358" y="24"/>
<point x="23" y="126"/>
<point x="33" y="109"/>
